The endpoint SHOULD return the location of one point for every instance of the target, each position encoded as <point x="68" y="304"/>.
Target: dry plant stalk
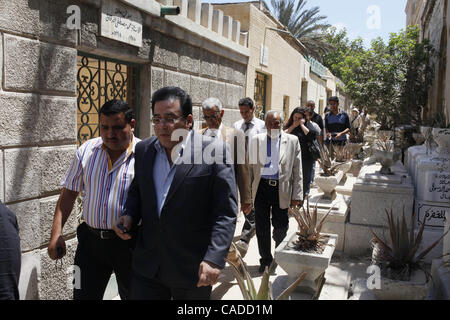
<point x="384" y="143"/>
<point x="329" y="167"/>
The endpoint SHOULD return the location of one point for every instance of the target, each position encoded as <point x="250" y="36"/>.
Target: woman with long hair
<point x="300" y="125"/>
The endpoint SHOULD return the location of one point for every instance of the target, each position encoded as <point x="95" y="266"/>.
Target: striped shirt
<point x="105" y="185"/>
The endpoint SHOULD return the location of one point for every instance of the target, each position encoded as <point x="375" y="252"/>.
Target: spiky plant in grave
<point x="384" y="143"/>
<point x="342" y="153"/>
<point x="309" y="226"/>
<point x="264" y="292"/>
<point x="399" y="258"/>
<point x="329" y="167"/>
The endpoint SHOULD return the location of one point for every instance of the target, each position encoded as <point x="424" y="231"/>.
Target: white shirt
<point x="256" y="126"/>
<point x="216" y="133"/>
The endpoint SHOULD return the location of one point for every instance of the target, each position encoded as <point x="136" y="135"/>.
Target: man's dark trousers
<point x="154" y="289"/>
<point x="267" y="198"/>
<point x="97" y="258"/>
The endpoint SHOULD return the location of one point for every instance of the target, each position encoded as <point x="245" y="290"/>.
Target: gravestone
<point x="372" y="194"/>
<point x="432" y="203"/>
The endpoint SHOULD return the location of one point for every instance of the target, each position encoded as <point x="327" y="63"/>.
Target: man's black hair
<point x="246" y="102"/>
<point x="173" y="93"/>
<point x="334" y="98"/>
<point x="117" y="106"/>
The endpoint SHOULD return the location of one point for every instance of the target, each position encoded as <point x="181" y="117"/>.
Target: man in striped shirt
<point x="102" y="169"/>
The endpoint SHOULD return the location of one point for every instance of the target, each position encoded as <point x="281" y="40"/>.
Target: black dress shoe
<point x="262" y="268"/>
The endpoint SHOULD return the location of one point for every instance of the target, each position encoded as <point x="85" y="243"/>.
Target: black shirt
<point x="318" y="119"/>
<point x="304" y="140"/>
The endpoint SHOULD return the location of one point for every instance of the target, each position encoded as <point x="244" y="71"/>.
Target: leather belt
<point x="103" y="234"/>
<point x="272" y="183"/>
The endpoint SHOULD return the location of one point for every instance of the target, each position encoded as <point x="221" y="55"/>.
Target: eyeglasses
<point x="214" y="117"/>
<point x="169" y="120"/>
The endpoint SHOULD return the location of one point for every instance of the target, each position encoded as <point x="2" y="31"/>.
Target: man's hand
<point x="296" y="203"/>
<point x="127" y="223"/>
<point x="246" y="208"/>
<point x="208" y="274"/>
<point x="57" y="247"/>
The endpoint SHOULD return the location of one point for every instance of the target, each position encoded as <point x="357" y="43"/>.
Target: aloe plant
<point x="384" y="143"/>
<point x="400" y="257"/>
<point x="264" y="292"/>
<point x="309" y="234"/>
<point x="329" y="167"/>
<point x="342" y="153"/>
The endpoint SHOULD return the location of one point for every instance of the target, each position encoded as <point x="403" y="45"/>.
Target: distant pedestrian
<point x="251" y="126"/>
<point x="337" y="124"/>
<point x="316" y="118"/>
<point x="356" y="124"/>
<point x="10" y="255"/>
<point x="301" y="126"/>
<point x="276" y="183"/>
<point x="213" y="113"/>
<point x="311" y="105"/>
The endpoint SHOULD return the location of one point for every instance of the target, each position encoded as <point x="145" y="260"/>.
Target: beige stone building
<point x="59" y="63"/>
<point x="279" y="77"/>
<point x="433" y="18"/>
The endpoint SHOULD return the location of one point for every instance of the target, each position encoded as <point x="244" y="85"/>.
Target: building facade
<point x="60" y="60"/>
<point x="279" y="76"/>
<point x="433" y="18"/>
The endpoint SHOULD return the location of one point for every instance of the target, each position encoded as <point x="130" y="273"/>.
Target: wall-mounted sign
<point x="121" y="23"/>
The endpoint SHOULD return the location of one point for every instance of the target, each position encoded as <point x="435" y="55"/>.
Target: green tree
<point x="390" y="80"/>
<point x="307" y="25"/>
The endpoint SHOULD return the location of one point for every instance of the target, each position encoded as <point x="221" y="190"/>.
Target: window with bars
<point x="98" y="81"/>
<point x="260" y="94"/>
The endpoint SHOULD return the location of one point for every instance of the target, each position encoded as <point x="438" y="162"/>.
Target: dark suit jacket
<point x="10" y="255"/>
<point x="198" y="218"/>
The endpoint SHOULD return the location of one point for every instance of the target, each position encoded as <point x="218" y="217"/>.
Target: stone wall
<point x="433" y="17"/>
<point x="37" y="125"/>
<point x="38" y="118"/>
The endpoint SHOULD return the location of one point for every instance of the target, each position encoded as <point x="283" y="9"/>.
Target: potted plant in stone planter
<point x="331" y="175"/>
<point x="343" y="155"/>
<point x="308" y="250"/>
<point x="385" y="153"/>
<point x="247" y="285"/>
<point x="403" y="276"/>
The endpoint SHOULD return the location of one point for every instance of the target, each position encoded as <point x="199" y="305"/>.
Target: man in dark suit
<point x="187" y="205"/>
<point x="10" y="256"/>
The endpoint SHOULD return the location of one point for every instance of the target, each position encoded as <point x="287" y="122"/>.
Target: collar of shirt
<point x="163" y="173"/>
<point x="217" y="133"/>
<point x="124" y="156"/>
